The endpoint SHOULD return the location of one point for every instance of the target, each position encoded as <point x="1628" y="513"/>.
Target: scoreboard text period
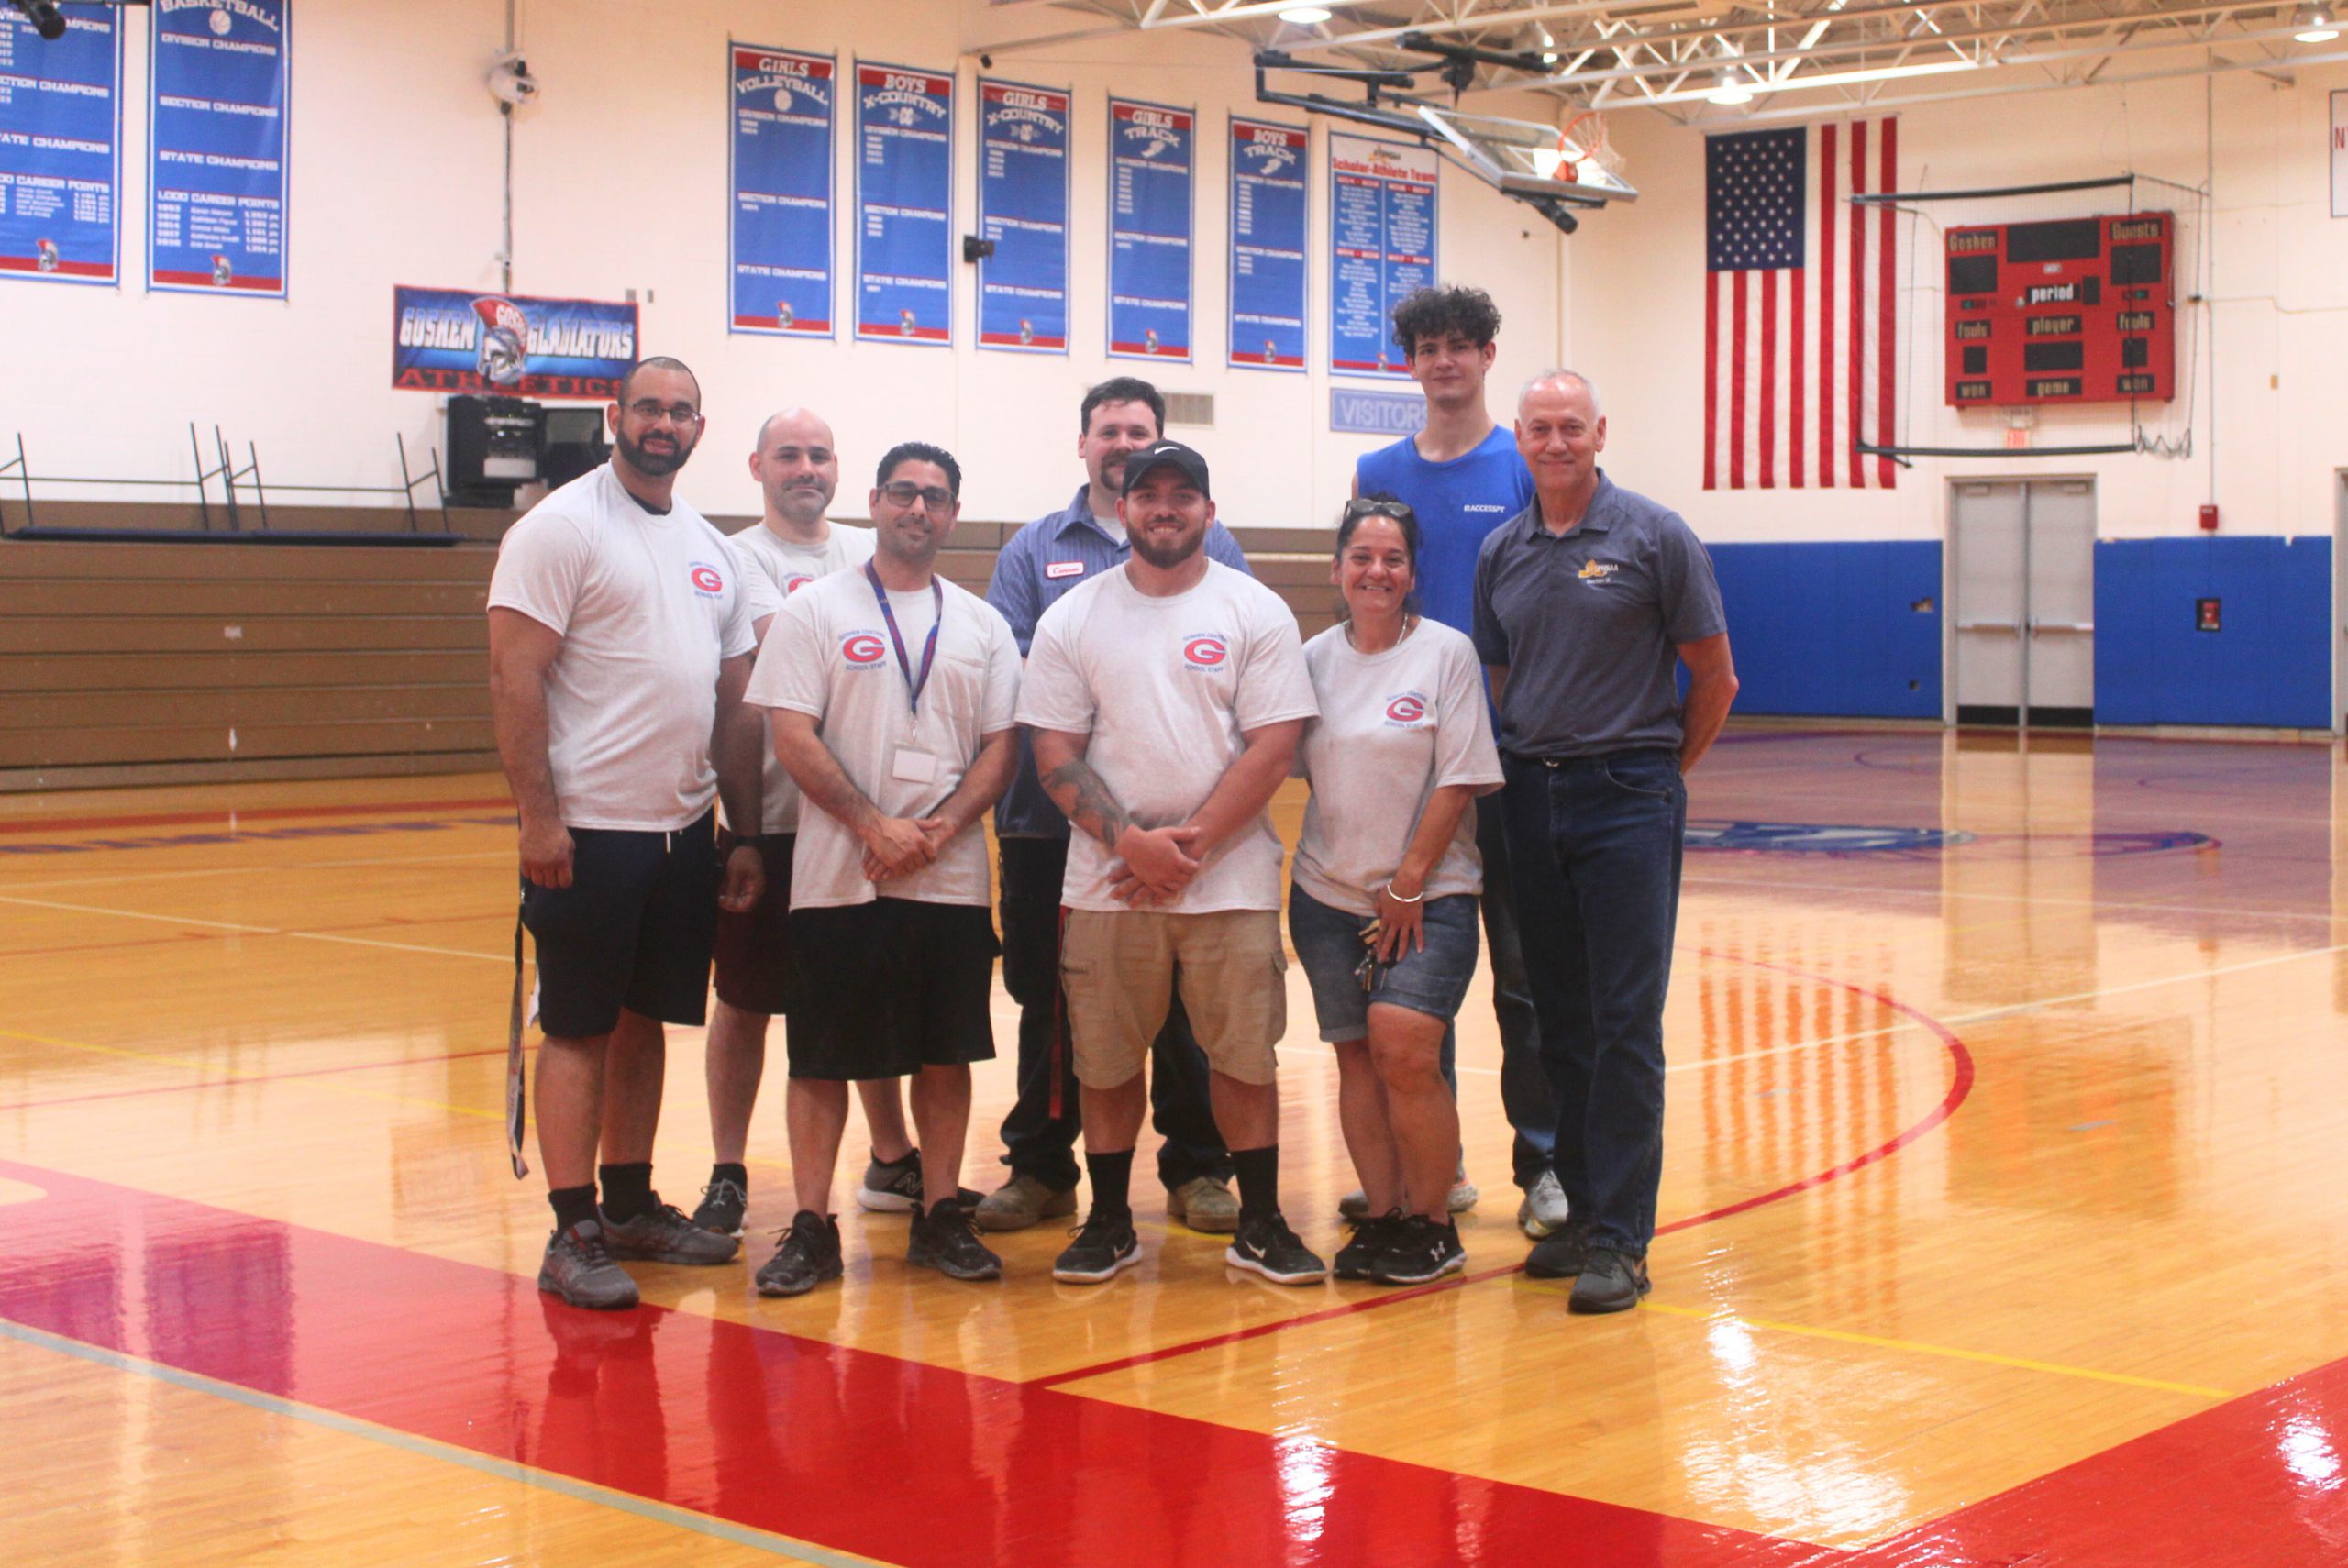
<point x="2078" y="309"/>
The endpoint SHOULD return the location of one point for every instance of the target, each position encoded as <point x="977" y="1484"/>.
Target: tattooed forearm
<point x="1083" y="797"/>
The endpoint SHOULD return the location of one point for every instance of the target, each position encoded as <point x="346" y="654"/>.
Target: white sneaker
<point x="1543" y="1211"/>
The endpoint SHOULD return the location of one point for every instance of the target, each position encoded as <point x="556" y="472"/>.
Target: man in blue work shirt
<point x="1040" y="563"/>
<point x="1464" y="477"/>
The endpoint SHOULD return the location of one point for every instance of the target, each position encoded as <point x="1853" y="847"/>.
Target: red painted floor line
<point x="250" y="1078"/>
<point x="177" y="936"/>
<point x="263" y="813"/>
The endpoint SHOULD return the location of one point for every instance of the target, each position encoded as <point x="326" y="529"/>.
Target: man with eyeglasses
<point x="891" y="694"/>
<point x="620" y="639"/>
<point x="1039" y="564"/>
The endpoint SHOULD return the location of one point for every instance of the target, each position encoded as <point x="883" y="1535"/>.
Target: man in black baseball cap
<point x="1168" y="521"/>
<point x="1164" y="454"/>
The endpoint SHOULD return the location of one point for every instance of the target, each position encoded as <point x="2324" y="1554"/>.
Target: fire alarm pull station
<point x="2209" y="518"/>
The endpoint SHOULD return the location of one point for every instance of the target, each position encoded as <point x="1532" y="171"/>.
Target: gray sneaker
<point x="579" y="1268"/>
<point x="808" y="1254"/>
<point x="662" y="1234"/>
<point x="1020" y="1202"/>
<point x="1610" y="1282"/>
<point x="942" y="1239"/>
<point x="1543" y="1211"/>
<point x="893" y="1187"/>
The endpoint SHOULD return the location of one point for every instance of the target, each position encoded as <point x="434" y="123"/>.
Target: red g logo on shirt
<point x="706" y="580"/>
<point x="862" y="647"/>
<point x="1408" y="708"/>
<point x="794" y="582"/>
<point x="1204" y="651"/>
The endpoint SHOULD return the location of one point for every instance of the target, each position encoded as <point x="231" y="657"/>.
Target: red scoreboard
<point x="2078" y="310"/>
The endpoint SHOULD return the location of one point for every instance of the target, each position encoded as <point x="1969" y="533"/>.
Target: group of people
<point x="1127" y="699"/>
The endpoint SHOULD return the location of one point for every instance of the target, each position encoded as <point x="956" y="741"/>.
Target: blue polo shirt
<point x="1040" y="563"/>
<point x="1457" y="503"/>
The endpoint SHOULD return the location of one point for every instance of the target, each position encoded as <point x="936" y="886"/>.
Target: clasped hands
<point x="899" y="847"/>
<point x="1153" y="865"/>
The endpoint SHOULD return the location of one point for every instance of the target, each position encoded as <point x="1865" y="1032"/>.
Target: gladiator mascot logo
<point x="504" y="341"/>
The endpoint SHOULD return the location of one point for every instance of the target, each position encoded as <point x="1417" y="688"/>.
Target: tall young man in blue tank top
<point x="1463" y="476"/>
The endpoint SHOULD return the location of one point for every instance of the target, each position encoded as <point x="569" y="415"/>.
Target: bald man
<point x="797" y="469"/>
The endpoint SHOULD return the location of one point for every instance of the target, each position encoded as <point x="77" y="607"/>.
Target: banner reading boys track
<point x="1151" y="159"/>
<point x="781" y="105"/>
<point x="60" y="148"/>
<point x="904" y="203"/>
<point x="1023" y="207"/>
<point x="217" y="76"/>
<point x="1267" y="270"/>
<point x="1381" y="245"/>
<point x="462" y="340"/>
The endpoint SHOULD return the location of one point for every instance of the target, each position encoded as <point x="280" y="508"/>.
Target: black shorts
<point x="632" y="931"/>
<point x="884" y="989"/>
<point x="753" y="946"/>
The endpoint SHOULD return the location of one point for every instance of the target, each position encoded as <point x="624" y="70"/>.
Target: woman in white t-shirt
<point x="1383" y="912"/>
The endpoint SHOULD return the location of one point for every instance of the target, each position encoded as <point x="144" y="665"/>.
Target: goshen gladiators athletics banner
<point x="216" y="187"/>
<point x="462" y="340"/>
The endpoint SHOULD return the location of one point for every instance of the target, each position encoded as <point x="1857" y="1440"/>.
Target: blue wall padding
<point x="2271" y="665"/>
<point x="1829" y="629"/>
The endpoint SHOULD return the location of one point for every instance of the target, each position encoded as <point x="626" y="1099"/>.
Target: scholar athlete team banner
<point x="1152" y="154"/>
<point x="1381" y="247"/>
<point x="216" y="188"/>
<point x="781" y="233"/>
<point x="1023" y="209"/>
<point x="1267" y="239"/>
<point x="60" y="148"/>
<point x="904" y="203"/>
<point x="463" y="341"/>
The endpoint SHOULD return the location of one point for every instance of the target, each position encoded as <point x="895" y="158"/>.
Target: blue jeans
<point x="1526" y="1099"/>
<point x="1594" y="845"/>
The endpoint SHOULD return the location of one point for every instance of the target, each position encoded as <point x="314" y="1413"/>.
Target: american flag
<point x="1799" y="307"/>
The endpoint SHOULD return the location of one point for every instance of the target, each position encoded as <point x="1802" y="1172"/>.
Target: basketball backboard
<point x="1526" y="159"/>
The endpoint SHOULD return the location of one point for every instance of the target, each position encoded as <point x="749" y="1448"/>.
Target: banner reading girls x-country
<point x="1023" y="207"/>
<point x="217" y="109"/>
<point x="781" y="104"/>
<point x="462" y="340"/>
<point x="904" y="203"/>
<point x="61" y="146"/>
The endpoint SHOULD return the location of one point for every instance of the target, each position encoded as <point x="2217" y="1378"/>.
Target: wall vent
<point x="1191" y="408"/>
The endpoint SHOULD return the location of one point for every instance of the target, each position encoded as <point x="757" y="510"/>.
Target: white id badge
<point x="912" y="766"/>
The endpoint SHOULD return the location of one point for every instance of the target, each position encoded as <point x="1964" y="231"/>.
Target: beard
<point x="655" y="464"/>
<point x="1165" y="557"/>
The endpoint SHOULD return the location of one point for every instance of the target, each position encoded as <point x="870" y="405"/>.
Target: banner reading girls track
<point x="462" y="340"/>
<point x="60" y="148"/>
<point x="781" y="105"/>
<point x="1023" y="207"/>
<point x="1267" y="270"/>
<point x="904" y="203"/>
<point x="1151" y="159"/>
<point x="1381" y="247"/>
<point x="218" y="78"/>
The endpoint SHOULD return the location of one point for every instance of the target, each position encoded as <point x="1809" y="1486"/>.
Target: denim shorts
<point x="1329" y="946"/>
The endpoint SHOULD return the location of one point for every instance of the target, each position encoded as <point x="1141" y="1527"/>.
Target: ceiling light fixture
<point x="1731" y="89"/>
<point x="1825" y="79"/>
<point x="1306" y="15"/>
<point x="2316" y="25"/>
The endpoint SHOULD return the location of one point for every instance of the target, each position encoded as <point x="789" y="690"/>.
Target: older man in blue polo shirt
<point x="1041" y="562"/>
<point x="1585" y="604"/>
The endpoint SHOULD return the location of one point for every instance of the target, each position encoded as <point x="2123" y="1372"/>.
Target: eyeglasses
<point x="906" y="493"/>
<point x="679" y="413"/>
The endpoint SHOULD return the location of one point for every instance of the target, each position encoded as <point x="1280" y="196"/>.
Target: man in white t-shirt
<point x="892" y="694"/>
<point x="1164" y="700"/>
<point x="796" y="465"/>
<point x="620" y="639"/>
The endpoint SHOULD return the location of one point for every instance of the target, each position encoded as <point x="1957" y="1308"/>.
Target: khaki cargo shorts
<point x="1119" y="970"/>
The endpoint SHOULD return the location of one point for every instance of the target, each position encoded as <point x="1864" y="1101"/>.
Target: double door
<point x="2022" y="579"/>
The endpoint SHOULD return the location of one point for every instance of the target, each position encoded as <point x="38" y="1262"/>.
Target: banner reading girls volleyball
<point x="216" y="188"/>
<point x="904" y="203"/>
<point x="60" y="148"/>
<point x="782" y="232"/>
<point x="1023" y="207"/>
<point x="1381" y="247"/>
<point x="1268" y="287"/>
<point x="1151" y="166"/>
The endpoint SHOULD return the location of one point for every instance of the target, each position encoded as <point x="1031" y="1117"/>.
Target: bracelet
<point x="1389" y="890"/>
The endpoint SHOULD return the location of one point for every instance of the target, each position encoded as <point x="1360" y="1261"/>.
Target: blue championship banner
<point x="904" y="203"/>
<point x="1268" y="241"/>
<point x="1151" y="162"/>
<point x="216" y="187"/>
<point x="1023" y="207"/>
<point x="781" y="239"/>
<point x="60" y="148"/>
<point x="462" y="340"/>
<point x="1381" y="245"/>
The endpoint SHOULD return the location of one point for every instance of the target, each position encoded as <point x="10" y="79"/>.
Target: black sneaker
<point x="723" y="1204"/>
<point x="942" y="1239"/>
<point x="1104" y="1246"/>
<point x="1422" y="1251"/>
<point x="1370" y="1237"/>
<point x="1610" y="1282"/>
<point x="579" y="1268"/>
<point x="1265" y="1246"/>
<point x="893" y="1187"/>
<point x="662" y="1234"/>
<point x="808" y="1254"/>
<point x="1560" y="1254"/>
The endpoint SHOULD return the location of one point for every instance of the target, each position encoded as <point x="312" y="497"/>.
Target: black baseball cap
<point x="1163" y="455"/>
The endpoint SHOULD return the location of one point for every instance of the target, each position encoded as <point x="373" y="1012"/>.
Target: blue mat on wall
<point x="1841" y="629"/>
<point x="2269" y="664"/>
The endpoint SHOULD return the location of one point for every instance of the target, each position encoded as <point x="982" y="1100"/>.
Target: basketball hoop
<point x="1586" y="154"/>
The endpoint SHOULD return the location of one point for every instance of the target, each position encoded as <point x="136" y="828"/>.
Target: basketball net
<point x="1584" y="147"/>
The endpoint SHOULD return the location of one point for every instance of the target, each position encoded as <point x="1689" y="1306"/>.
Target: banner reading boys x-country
<point x="218" y="75"/>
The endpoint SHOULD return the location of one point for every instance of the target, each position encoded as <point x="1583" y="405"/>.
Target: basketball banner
<point x="1381" y="247"/>
<point x="1023" y="209"/>
<point x="904" y="205"/>
<point x="1152" y="159"/>
<point x="60" y="148"/>
<point x="217" y="82"/>
<point x="781" y="232"/>
<point x="1267" y="239"/>
<point x="462" y="340"/>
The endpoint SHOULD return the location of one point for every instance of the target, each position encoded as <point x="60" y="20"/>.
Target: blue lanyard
<point x="913" y="683"/>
